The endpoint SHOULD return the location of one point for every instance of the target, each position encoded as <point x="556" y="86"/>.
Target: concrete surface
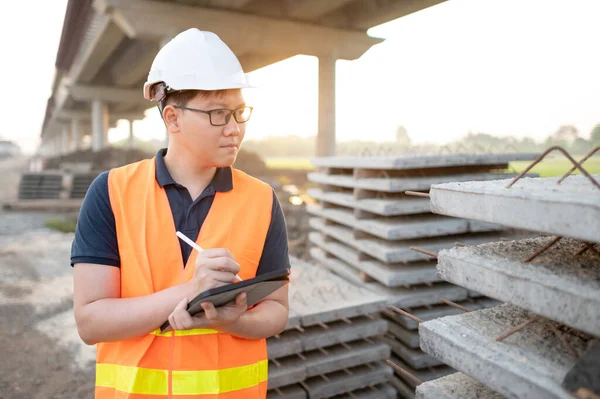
<point x="291" y="371"/>
<point x="557" y="284"/>
<point x="436" y="311"/>
<point x="404" y="391"/>
<point x="410" y="338"/>
<point x="400" y="184"/>
<point x="401" y="297"/>
<point x="318" y="296"/>
<point x="346" y="381"/>
<point x="569" y="209"/>
<point x="410" y="227"/>
<point x="419" y="161"/>
<point x="289" y="392"/>
<point x="400" y="252"/>
<point x="294" y="341"/>
<point x="405" y="205"/>
<point x="455" y="386"/>
<point x="390" y="275"/>
<point x="341" y="357"/>
<point x="415" y="358"/>
<point x="529" y="364"/>
<point x="425" y="374"/>
<point x="338" y="332"/>
<point x="379" y="391"/>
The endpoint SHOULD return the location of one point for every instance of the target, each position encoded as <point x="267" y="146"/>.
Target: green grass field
<point x="554" y="166"/>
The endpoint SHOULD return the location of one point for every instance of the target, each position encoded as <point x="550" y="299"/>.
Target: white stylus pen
<point x="196" y="246"/>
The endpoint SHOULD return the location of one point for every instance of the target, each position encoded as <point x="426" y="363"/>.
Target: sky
<point x="503" y="67"/>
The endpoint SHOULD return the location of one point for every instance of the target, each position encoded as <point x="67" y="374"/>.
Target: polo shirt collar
<point x="221" y="182"/>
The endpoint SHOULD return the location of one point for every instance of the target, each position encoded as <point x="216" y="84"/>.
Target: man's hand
<point x="214" y="268"/>
<point x="213" y="318"/>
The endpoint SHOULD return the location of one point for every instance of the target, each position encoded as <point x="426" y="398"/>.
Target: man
<point x="131" y="273"/>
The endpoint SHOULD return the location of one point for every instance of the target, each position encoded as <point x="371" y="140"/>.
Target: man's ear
<point x="171" y="118"/>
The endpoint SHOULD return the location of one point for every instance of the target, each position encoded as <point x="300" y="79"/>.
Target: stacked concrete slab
<point x="332" y="343"/>
<point x="555" y="293"/>
<point x="365" y="225"/>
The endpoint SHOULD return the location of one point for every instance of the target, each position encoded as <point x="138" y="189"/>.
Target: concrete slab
<point x="415" y="358"/>
<point x="318" y="296"/>
<point x="420" y="295"/>
<point x="455" y="386"/>
<point x="558" y="284"/>
<point x="529" y="364"/>
<point x="409" y="338"/>
<point x="390" y="275"/>
<point x="401" y="184"/>
<point x="340" y="357"/>
<point x="359" y="328"/>
<point x="419" y="161"/>
<point x="436" y="311"/>
<point x="404" y="391"/>
<point x="379" y="391"/>
<point x="347" y="381"/>
<point x="289" y="372"/>
<point x="283" y="345"/>
<point x="409" y="227"/>
<point x="289" y="392"/>
<point x="426" y="374"/>
<point x="569" y="209"/>
<point x="401" y="205"/>
<point x="399" y="251"/>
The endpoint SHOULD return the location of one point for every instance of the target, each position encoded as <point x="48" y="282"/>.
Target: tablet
<point x="256" y="289"/>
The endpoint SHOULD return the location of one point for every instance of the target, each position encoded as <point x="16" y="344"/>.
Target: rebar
<point x="517" y="328"/>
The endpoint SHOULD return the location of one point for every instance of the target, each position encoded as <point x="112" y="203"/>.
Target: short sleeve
<point x="95" y="235"/>
<point x="275" y="254"/>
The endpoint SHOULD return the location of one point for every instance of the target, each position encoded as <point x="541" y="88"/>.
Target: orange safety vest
<point x="197" y="363"/>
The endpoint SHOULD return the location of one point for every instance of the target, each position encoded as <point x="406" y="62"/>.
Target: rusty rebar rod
<point x="416" y="194"/>
<point x="460" y="244"/>
<point x="405" y="313"/>
<point x="424" y="251"/>
<point x="455" y="305"/>
<point x="517" y="328"/>
<point x="587" y="246"/>
<point x="404" y="372"/>
<point x="544" y="249"/>
<point x="581" y="161"/>
<point x="548" y="151"/>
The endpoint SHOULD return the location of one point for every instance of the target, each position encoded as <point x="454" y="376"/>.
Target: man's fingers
<point x="209" y="310"/>
<point x="222" y="263"/>
<point x="241" y="301"/>
<point x="216" y="253"/>
<point x="180" y="319"/>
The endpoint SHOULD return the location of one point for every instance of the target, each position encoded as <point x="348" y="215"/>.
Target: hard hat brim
<point x="148" y="86"/>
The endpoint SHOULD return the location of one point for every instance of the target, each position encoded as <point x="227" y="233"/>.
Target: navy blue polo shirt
<point x="96" y="238"/>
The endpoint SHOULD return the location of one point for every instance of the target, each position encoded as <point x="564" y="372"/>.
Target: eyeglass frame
<point x="209" y="113"/>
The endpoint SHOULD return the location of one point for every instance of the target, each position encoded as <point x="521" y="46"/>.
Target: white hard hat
<point x="196" y="60"/>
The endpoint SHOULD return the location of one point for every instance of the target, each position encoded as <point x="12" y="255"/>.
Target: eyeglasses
<point x="221" y="117"/>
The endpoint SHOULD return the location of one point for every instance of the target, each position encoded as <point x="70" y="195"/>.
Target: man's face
<point x="214" y="145"/>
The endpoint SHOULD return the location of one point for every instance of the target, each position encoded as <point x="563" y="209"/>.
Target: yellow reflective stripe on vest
<point x="137" y="380"/>
<point x="184" y="333"/>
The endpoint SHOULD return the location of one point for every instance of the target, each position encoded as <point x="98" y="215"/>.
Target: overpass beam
<point x="76" y="134"/>
<point x="326" y="133"/>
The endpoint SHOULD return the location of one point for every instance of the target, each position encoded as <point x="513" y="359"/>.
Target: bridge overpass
<point x="107" y="47"/>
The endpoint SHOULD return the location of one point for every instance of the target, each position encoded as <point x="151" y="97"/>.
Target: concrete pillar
<point x="100" y="122"/>
<point x="326" y="133"/>
<point x="76" y="134"/>
<point x="131" y="135"/>
<point x="65" y="140"/>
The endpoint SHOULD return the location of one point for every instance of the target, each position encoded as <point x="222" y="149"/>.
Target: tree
<point x="402" y="137"/>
